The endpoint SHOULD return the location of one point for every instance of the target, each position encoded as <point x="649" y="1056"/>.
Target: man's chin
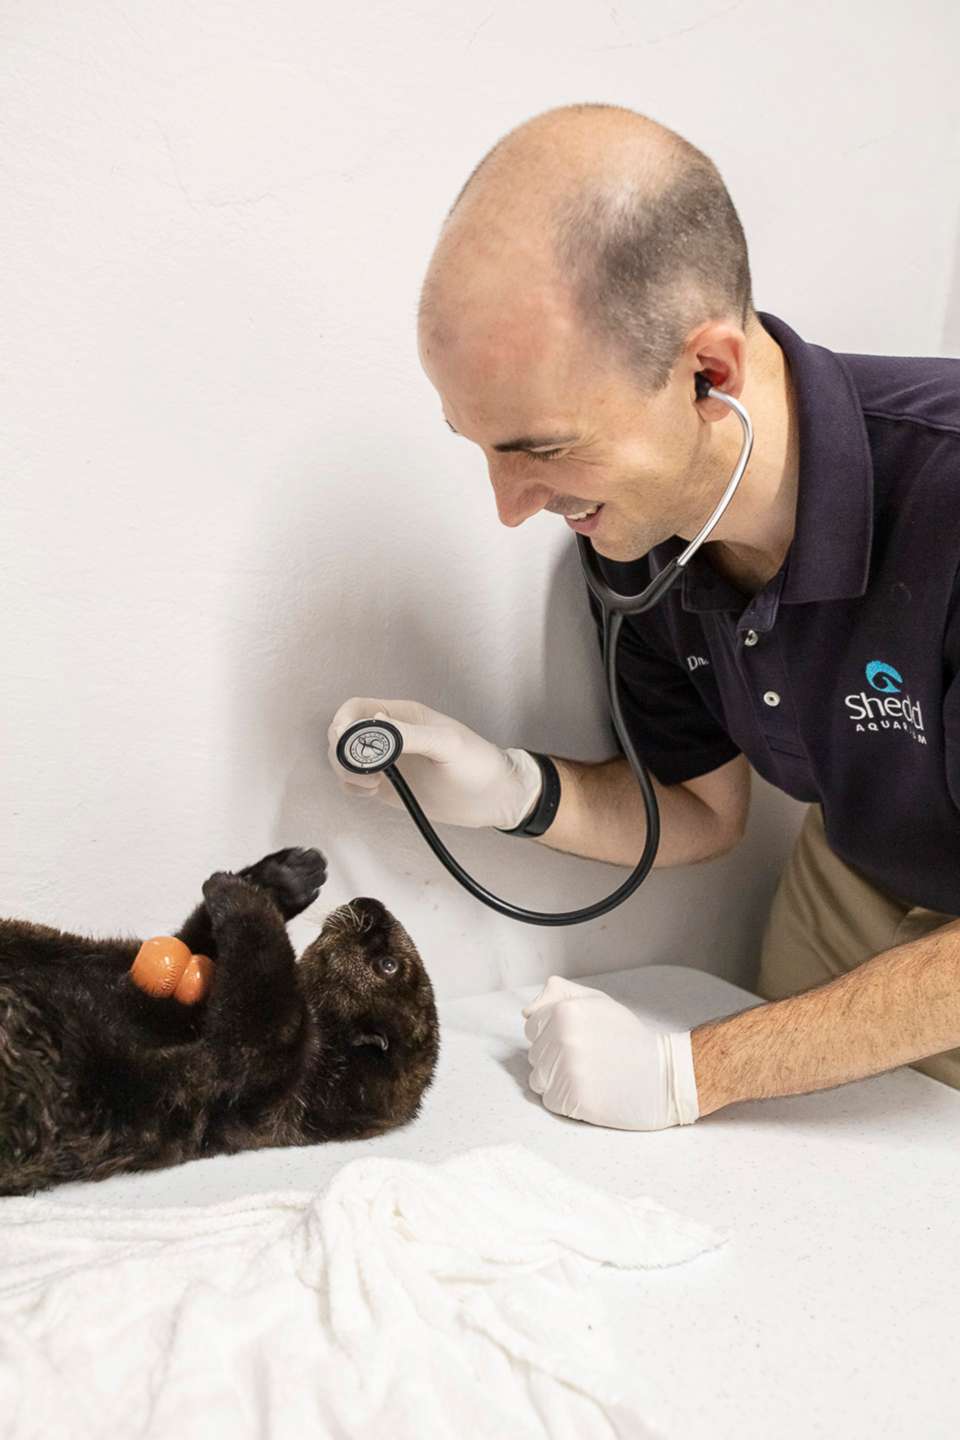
<point x="620" y="550"/>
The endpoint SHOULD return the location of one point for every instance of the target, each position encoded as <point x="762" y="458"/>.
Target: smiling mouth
<point x="585" y="520"/>
<point x="582" y="510"/>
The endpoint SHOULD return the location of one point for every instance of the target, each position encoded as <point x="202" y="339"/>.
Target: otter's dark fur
<point x="97" y="1077"/>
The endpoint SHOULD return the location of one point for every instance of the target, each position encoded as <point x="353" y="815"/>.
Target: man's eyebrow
<point x="533" y="442"/>
<point x="528" y="442"/>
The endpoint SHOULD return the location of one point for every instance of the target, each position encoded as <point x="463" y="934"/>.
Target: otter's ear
<point x="377" y="1038"/>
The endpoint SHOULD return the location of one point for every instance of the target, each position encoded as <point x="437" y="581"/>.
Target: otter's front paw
<point x="225" y="894"/>
<point x="292" y="877"/>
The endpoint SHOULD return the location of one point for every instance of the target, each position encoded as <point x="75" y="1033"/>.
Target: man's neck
<point x="755" y="535"/>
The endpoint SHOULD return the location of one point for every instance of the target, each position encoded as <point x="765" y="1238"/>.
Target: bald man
<point x="590" y="270"/>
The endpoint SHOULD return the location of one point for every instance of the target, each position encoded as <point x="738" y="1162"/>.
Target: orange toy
<point x="164" y="966"/>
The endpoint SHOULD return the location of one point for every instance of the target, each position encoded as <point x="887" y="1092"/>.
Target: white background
<point x="229" y="500"/>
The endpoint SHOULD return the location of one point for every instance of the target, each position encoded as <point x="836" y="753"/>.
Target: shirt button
<point x="771" y="698"/>
<point x="751" y="637"/>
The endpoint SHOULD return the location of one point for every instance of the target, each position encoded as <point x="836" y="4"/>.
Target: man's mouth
<point x="584" y="522"/>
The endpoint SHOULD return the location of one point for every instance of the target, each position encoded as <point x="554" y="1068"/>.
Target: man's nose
<point x="517" y="498"/>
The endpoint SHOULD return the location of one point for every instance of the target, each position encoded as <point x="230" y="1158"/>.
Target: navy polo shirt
<point x="839" y="679"/>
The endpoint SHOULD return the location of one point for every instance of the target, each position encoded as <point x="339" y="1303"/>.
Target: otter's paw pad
<point x="293" y="877"/>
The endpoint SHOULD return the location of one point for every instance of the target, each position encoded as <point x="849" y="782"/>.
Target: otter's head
<point x="376" y="1018"/>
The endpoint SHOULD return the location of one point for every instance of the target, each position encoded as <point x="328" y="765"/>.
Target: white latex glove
<point x="458" y="777"/>
<point x="593" y="1059"/>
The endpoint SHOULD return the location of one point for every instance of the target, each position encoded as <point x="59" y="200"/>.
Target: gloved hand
<point x="593" y="1059"/>
<point x="458" y="777"/>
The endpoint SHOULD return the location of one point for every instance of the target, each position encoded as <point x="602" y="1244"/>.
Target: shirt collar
<point x="829" y="557"/>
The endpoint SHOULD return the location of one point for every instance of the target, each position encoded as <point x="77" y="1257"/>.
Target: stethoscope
<point x="369" y="746"/>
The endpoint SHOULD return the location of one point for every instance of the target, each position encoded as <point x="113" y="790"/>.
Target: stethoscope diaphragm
<point x="368" y="746"/>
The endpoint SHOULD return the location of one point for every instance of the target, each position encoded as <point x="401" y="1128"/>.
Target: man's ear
<point x="375" y="1037"/>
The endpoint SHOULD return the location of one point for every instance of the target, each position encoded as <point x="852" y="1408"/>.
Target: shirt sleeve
<point x="675" y="734"/>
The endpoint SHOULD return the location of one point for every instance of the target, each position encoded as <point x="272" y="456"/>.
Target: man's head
<point x="592" y="264"/>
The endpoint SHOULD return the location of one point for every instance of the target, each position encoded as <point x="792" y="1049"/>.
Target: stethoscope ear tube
<point x="613" y="600"/>
<point x="658" y="587"/>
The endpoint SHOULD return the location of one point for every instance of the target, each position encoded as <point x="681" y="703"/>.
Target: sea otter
<point x="98" y="1077"/>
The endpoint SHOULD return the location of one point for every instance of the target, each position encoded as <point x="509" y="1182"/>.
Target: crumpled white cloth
<point x="405" y="1299"/>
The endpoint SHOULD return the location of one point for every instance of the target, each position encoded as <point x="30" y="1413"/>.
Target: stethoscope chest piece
<point x="369" y="746"/>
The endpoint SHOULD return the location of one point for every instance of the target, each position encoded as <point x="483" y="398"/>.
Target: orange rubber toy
<point x="164" y="966"/>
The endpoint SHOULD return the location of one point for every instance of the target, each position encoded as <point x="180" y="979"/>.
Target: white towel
<point x="405" y="1300"/>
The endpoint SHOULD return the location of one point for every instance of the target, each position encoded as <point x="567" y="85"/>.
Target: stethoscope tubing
<point x="550" y="917"/>
<point x="614" y="607"/>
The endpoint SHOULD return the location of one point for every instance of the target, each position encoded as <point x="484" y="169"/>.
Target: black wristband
<point x="544" y="812"/>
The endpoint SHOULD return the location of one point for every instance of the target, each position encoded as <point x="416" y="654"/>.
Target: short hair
<point x="649" y="260"/>
<point x="649" y="263"/>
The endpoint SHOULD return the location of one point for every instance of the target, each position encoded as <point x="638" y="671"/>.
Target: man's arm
<point x="901" y="1006"/>
<point x="460" y="778"/>
<point x="602" y="817"/>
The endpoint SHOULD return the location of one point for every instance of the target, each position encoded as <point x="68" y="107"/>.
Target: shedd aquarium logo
<point x="889" y="708"/>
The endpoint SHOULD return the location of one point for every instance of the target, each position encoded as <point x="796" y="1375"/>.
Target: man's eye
<point x="544" y="454"/>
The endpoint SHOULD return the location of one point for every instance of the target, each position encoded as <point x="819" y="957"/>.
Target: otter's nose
<point x="373" y="914"/>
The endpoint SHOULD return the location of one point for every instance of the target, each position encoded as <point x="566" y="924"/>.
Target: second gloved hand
<point x="592" y="1059"/>
<point x="458" y="777"/>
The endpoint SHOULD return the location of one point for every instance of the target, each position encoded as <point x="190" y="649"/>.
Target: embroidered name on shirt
<point x="695" y="661"/>
<point x="889" y="709"/>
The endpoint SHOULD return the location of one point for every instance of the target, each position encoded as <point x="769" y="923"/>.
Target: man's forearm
<point x="900" y="1006"/>
<point x="602" y="817"/>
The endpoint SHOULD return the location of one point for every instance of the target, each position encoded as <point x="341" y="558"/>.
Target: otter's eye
<point x="387" y="964"/>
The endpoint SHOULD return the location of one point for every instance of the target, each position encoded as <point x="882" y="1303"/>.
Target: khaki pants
<point x="826" y="919"/>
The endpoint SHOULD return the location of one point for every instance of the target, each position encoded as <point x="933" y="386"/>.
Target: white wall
<point x="229" y="499"/>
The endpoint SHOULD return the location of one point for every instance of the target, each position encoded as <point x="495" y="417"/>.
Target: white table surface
<point x="833" y="1308"/>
